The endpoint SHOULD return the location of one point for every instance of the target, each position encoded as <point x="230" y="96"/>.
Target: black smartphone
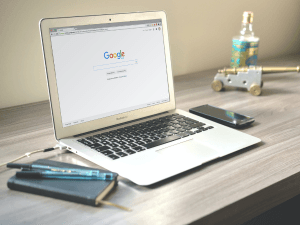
<point x="222" y="116"/>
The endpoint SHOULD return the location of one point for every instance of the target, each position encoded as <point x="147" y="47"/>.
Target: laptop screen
<point x="108" y="69"/>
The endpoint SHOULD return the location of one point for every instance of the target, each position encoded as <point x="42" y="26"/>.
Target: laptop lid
<point x="105" y="70"/>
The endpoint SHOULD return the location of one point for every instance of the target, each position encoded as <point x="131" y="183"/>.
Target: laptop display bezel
<point x="65" y="132"/>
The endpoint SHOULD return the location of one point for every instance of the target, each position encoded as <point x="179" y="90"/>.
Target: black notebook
<point x="89" y="192"/>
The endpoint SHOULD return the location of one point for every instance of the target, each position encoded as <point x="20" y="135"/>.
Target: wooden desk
<point x="229" y="190"/>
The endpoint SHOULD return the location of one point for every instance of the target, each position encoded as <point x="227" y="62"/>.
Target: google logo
<point x="119" y="55"/>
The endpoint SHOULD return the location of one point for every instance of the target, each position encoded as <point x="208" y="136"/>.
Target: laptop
<point x="112" y="98"/>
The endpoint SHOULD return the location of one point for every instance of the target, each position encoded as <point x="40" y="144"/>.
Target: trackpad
<point x="189" y="150"/>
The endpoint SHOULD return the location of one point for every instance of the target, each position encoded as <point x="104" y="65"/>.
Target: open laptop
<point x="112" y="98"/>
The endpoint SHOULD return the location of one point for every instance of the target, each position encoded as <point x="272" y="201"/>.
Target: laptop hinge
<point x="120" y="124"/>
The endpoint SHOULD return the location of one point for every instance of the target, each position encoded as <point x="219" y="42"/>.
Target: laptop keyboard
<point x="139" y="137"/>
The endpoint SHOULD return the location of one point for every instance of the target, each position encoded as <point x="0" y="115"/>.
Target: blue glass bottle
<point x="245" y="46"/>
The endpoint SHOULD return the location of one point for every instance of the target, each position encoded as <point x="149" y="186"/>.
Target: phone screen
<point x="221" y="114"/>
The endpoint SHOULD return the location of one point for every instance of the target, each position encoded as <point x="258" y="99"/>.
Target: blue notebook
<point x="89" y="192"/>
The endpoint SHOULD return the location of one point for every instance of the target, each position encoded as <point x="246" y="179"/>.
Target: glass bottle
<point x="245" y="46"/>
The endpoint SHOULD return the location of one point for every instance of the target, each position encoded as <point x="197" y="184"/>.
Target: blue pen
<point x="63" y="175"/>
<point x="81" y="172"/>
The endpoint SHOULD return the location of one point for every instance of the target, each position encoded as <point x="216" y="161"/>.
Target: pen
<point x="82" y="172"/>
<point x="63" y="175"/>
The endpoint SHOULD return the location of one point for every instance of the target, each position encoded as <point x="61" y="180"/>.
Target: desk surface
<point x="231" y="190"/>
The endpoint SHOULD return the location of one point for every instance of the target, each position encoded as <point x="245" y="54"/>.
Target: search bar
<point x="115" y="65"/>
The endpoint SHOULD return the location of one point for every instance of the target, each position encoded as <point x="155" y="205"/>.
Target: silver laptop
<point x="112" y="98"/>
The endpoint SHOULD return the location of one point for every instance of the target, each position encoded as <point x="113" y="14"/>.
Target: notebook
<point x="112" y="98"/>
<point x="89" y="192"/>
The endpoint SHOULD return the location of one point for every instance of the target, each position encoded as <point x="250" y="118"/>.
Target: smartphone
<point x="222" y="116"/>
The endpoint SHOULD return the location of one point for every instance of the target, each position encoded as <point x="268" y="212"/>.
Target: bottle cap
<point x="247" y="17"/>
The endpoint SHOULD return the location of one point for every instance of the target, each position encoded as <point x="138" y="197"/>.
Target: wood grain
<point x="230" y="190"/>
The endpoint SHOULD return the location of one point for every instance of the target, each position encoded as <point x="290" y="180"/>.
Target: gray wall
<point x="200" y="35"/>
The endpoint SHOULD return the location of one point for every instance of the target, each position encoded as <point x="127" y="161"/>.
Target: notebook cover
<point x="80" y="191"/>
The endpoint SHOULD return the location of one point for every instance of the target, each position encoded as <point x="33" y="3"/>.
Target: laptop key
<point x="139" y="149"/>
<point x="129" y="151"/>
<point x="179" y="116"/>
<point x="184" y="124"/>
<point x="104" y="134"/>
<point x="137" y="138"/>
<point x="180" y="129"/>
<point x="85" y="142"/>
<point x="112" y="156"/>
<point x="170" y="128"/>
<point x="189" y="132"/>
<point x="99" y="138"/>
<point x="113" y="140"/>
<point x="151" y="136"/>
<point x="132" y="145"/>
<point x="155" y="138"/>
<point x="174" y="132"/>
<point x="116" y="149"/>
<point x="126" y="135"/>
<point x="140" y="142"/>
<point x="187" y="127"/>
<point x="159" y="131"/>
<point x="189" y="119"/>
<point x="113" y="145"/>
<point x="120" y="137"/>
<point x="130" y="141"/>
<point x="162" y="141"/>
<point x="183" y="134"/>
<point x="122" y="154"/>
<point x="95" y="145"/>
<point x="195" y="125"/>
<point x="161" y="136"/>
<point x="122" y="142"/>
<point x="143" y="136"/>
<point x="107" y="152"/>
<point x="147" y="140"/>
<point x="105" y="142"/>
<point x="130" y="136"/>
<point x="189" y="122"/>
<point x="103" y="148"/>
<point x="89" y="138"/>
<point x="102" y="138"/>
<point x="110" y="136"/>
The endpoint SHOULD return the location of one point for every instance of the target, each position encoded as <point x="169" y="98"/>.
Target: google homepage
<point x="107" y="70"/>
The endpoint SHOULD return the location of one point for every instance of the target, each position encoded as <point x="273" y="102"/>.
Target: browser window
<point x="108" y="69"/>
